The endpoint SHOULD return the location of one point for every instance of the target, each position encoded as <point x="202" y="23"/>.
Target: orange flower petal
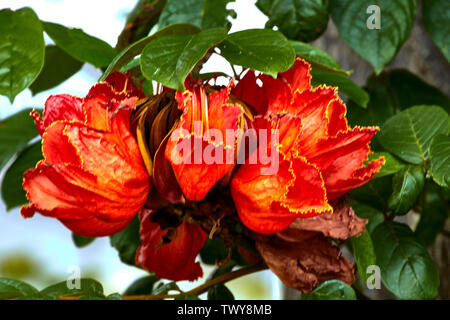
<point x="88" y="227"/>
<point x="186" y="149"/>
<point x="164" y="178"/>
<point x="269" y="203"/>
<point x="122" y="83"/>
<point x="251" y="93"/>
<point x="311" y="106"/>
<point x="56" y="147"/>
<point x="298" y="77"/>
<point x="174" y="260"/>
<point x="58" y="107"/>
<point x="341" y="158"/>
<point x="92" y="178"/>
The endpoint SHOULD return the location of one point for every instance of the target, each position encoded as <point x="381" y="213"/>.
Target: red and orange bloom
<point x="109" y="156"/>
<point x="321" y="157"/>
<point x="203" y="115"/>
<point x="171" y="252"/>
<point x="92" y="177"/>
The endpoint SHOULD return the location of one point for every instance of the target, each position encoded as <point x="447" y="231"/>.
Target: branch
<point x="205" y="286"/>
<point x="140" y="21"/>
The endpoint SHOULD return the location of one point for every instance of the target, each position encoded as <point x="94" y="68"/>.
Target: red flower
<point x="320" y="156"/>
<point x="174" y="260"/>
<point x="203" y="115"/>
<point x="92" y="177"/>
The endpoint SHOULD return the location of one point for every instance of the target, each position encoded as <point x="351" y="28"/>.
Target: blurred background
<point x="40" y="250"/>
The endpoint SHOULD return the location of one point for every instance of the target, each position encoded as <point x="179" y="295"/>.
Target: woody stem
<point x="205" y="286"/>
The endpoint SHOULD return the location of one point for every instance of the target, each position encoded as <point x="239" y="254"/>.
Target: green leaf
<point x="331" y="290"/>
<point x="407" y="185"/>
<point x="80" y="45"/>
<point x="134" y="49"/>
<point x="379" y="108"/>
<point x="127" y="242"/>
<point x="15" y="133"/>
<point x="407" y="90"/>
<point x="377" y="46"/>
<point x="432" y="216"/>
<point x="344" y="84"/>
<point x="363" y="253"/>
<point x="375" y="193"/>
<point x="409" y="133"/>
<point x="391" y="92"/>
<point x="406" y="267"/>
<point x="220" y="292"/>
<point x="187" y="297"/>
<point x="264" y="50"/>
<point x="317" y="57"/>
<point x="93" y="296"/>
<point x="223" y="269"/>
<point x="204" y="14"/>
<point x="168" y="59"/>
<point x="58" y="67"/>
<point x="439" y="152"/>
<point x="21" y="50"/>
<point x="99" y="296"/>
<point x="87" y="287"/>
<point x="303" y="20"/>
<point x="82" y="241"/>
<point x="215" y="14"/>
<point x="12" y="191"/>
<point x="114" y="296"/>
<point x="10" y="289"/>
<point x="142" y="285"/>
<point x="164" y="288"/>
<point x="391" y="164"/>
<point x="213" y="251"/>
<point x="141" y="20"/>
<point x="374" y="216"/>
<point x="436" y="15"/>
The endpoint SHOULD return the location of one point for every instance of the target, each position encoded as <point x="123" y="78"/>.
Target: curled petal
<point x="341" y="160"/>
<point x="199" y="149"/>
<point x="56" y="146"/>
<point x="102" y="103"/>
<point x="92" y="177"/>
<point x="194" y="176"/>
<point x="305" y="265"/>
<point x="69" y="193"/>
<point x="269" y="203"/>
<point x="59" y="107"/>
<point x="122" y="83"/>
<point x="251" y="93"/>
<point x="164" y="178"/>
<point x="278" y="93"/>
<point x="95" y="223"/>
<point x="342" y="224"/>
<point x="312" y="107"/>
<point x="174" y="260"/>
<point x="298" y="77"/>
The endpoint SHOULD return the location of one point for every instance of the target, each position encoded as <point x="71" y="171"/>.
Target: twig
<point x="205" y="286"/>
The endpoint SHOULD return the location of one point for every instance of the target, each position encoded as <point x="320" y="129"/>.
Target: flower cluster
<point x="273" y="154"/>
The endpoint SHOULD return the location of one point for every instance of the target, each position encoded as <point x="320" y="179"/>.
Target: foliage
<point x="413" y="117"/>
